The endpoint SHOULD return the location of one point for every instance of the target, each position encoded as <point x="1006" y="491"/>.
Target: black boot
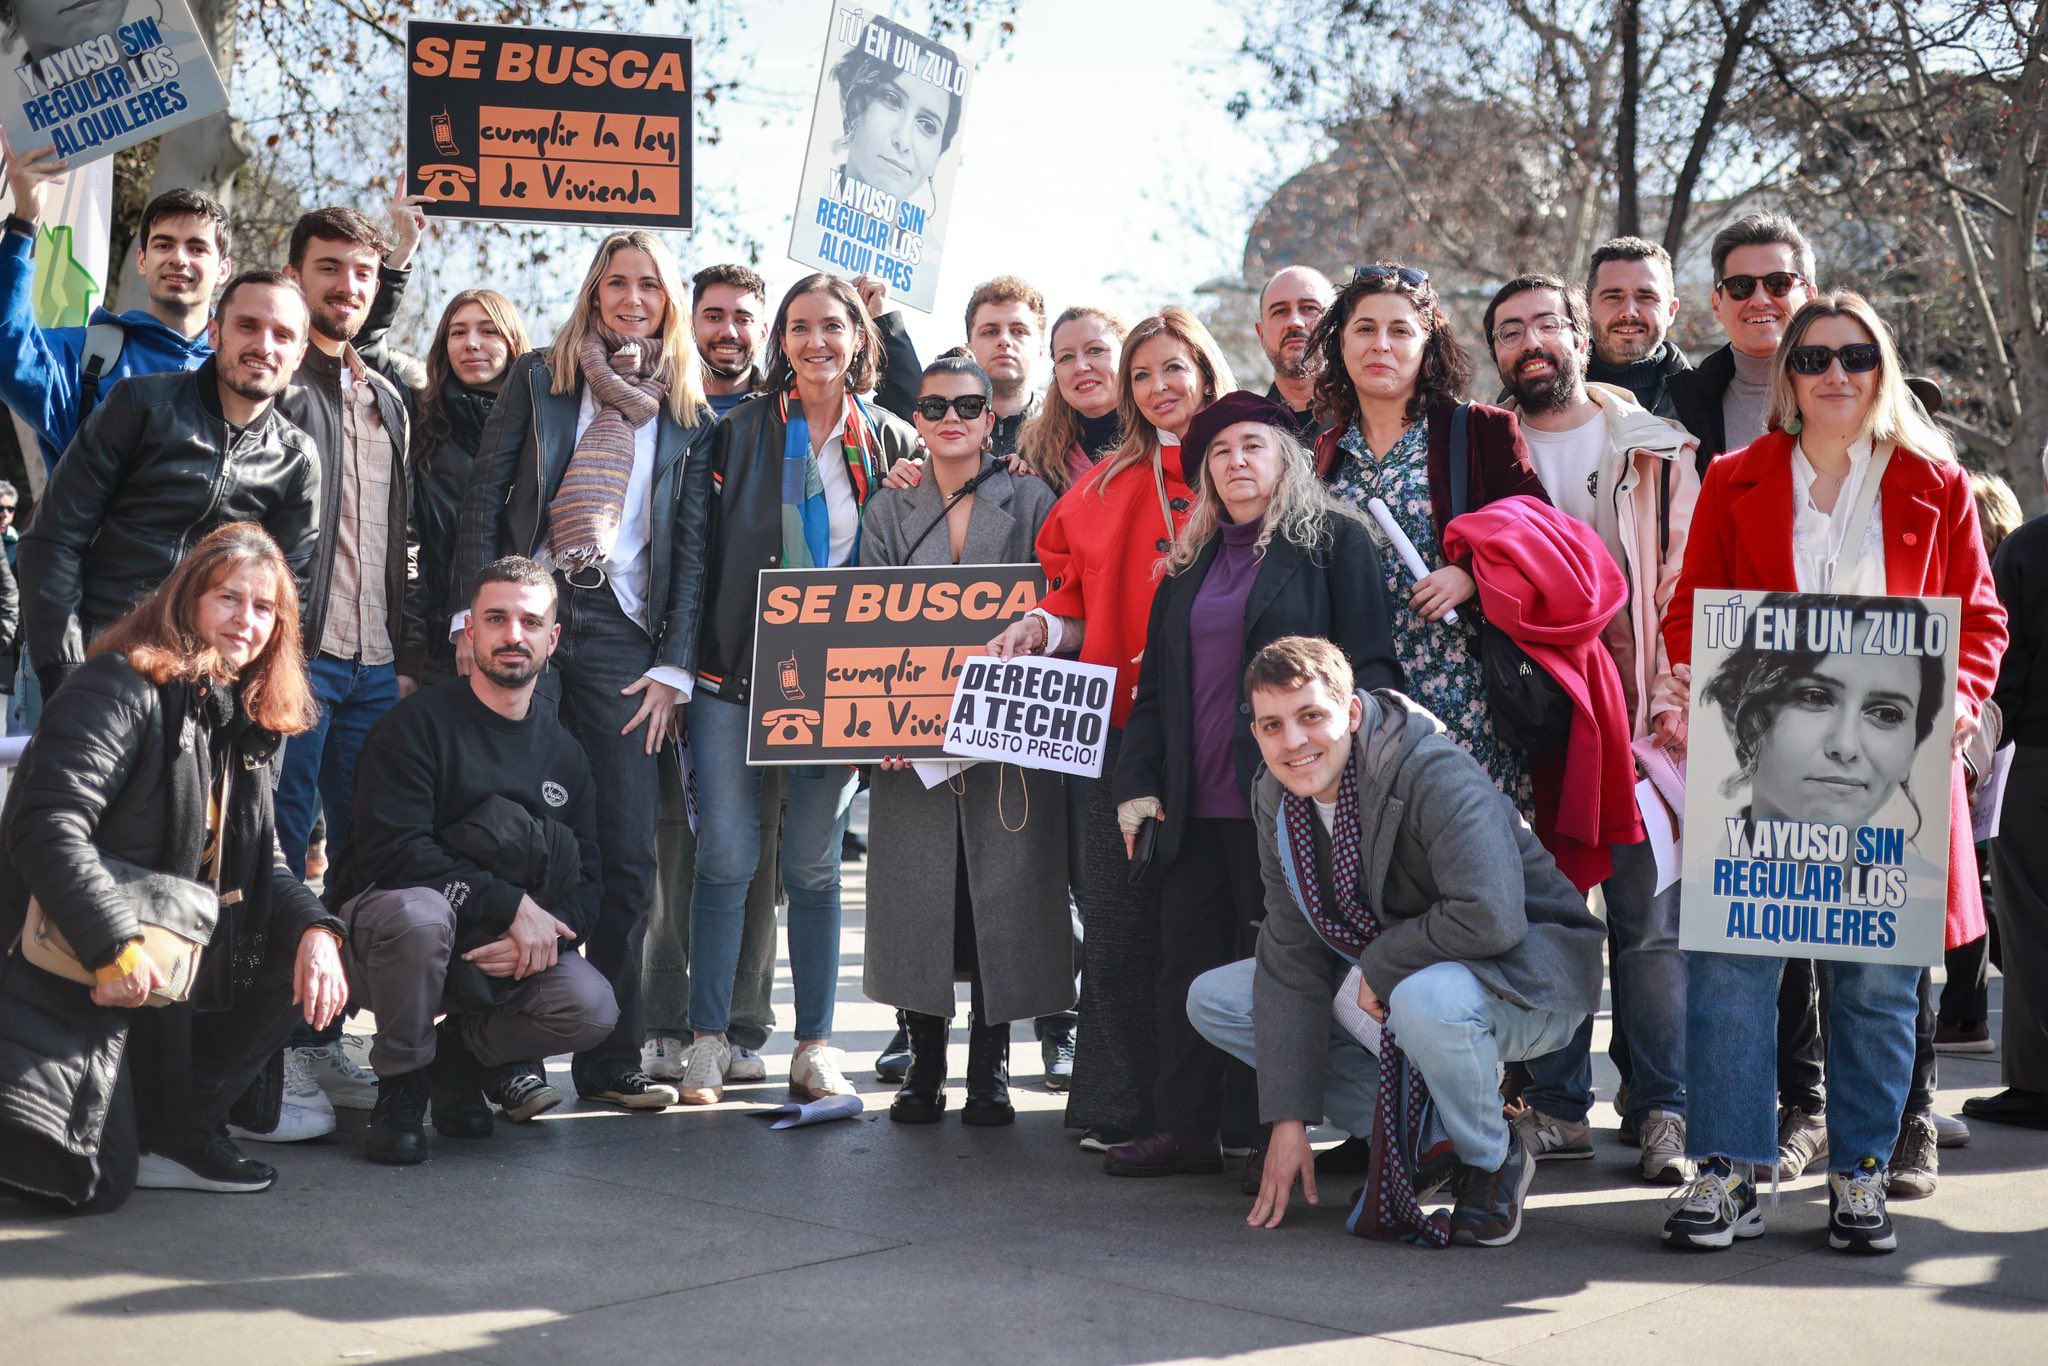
<point x="398" y="1125"/>
<point x="923" y="1097"/>
<point x="893" y="1062"/>
<point x="988" y="1075"/>
<point x="460" y="1110"/>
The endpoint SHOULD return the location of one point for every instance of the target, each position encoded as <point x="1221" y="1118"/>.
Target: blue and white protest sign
<point x="91" y="77"/>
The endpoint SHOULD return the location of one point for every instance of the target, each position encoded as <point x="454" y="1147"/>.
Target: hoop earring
<point x="988" y="443"/>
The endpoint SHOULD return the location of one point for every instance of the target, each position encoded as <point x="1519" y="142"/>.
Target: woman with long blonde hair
<point x="1076" y="422"/>
<point x="591" y="464"/>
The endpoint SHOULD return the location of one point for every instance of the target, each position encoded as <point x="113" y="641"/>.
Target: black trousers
<point x="1211" y="901"/>
<point x="2019" y="869"/>
<point x="1802" y="1047"/>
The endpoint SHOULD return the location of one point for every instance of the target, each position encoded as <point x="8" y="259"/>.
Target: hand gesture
<point x="874" y="294"/>
<point x="659" y="708"/>
<point x="904" y="474"/>
<point x="319" y="986"/>
<point x="532" y="943"/>
<point x="1024" y="636"/>
<point x="1288" y="1159"/>
<point x="27" y="174"/>
<point x="408" y="221"/>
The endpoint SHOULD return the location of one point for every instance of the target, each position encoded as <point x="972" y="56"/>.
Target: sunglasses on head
<point x="1407" y="275"/>
<point x="932" y="407"/>
<point x="1777" y="284"/>
<point x="1858" y="358"/>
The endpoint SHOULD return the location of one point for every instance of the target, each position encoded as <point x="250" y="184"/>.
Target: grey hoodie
<point x="1454" y="874"/>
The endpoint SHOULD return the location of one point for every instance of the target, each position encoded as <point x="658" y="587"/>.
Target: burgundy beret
<point x="1241" y="405"/>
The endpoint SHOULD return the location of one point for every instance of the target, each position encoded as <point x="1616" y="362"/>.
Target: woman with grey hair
<point x="1267" y="552"/>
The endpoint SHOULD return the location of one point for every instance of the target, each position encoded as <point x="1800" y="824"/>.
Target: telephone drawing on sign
<point x="447" y="182"/>
<point x="791" y="726"/>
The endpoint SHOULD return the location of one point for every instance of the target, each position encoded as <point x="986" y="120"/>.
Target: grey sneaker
<point x="341" y="1070"/>
<point x="1914" y="1167"/>
<point x="1802" y="1141"/>
<point x="1663" y="1144"/>
<point x="1716" y="1209"/>
<point x="746" y="1065"/>
<point x="1857" y="1221"/>
<point x="1549" y="1139"/>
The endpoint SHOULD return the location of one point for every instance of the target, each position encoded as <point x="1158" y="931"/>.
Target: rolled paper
<point x="1403" y="547"/>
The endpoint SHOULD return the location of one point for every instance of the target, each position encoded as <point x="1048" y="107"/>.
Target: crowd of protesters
<point x="1334" y="870"/>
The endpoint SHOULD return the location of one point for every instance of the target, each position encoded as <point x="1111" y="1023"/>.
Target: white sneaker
<point x="306" y="1113"/>
<point x="341" y="1070"/>
<point x="704" y="1066"/>
<point x="746" y="1065"/>
<point x="662" y="1058"/>
<point x="819" y="1070"/>
<point x="1663" y="1143"/>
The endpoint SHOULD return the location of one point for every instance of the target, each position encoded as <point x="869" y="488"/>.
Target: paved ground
<point x="702" y="1235"/>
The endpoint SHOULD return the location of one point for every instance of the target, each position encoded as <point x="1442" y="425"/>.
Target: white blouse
<point x="1819" y="538"/>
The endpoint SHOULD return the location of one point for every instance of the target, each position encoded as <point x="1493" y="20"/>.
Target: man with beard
<point x="1628" y="474"/>
<point x="164" y="460"/>
<point x="1290" y="306"/>
<point x="729" y="321"/>
<point x="1633" y="301"/>
<point x="472" y="868"/>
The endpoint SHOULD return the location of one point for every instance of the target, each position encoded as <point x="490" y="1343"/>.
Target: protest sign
<point x="1034" y="712"/>
<point x="853" y="665"/>
<point x="1817" y="776"/>
<point x="885" y="148"/>
<point x="91" y="77"/>
<point x="541" y="125"/>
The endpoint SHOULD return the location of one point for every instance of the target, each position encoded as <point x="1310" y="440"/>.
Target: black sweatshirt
<point x="2021" y="571"/>
<point x="427" y="765"/>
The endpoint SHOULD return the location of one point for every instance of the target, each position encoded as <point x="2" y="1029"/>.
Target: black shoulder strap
<point x="103" y="345"/>
<point x="1461" y="473"/>
<point x="1663" y="513"/>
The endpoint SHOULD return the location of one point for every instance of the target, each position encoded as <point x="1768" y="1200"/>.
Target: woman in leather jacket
<point x="156" y="755"/>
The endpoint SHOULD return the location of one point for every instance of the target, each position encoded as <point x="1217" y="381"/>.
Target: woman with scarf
<point x="144" y="798"/>
<point x="1076" y="423"/>
<point x="590" y="464"/>
<point x="794" y="466"/>
<point x="480" y="335"/>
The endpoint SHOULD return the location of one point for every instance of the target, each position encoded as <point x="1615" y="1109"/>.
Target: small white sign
<point x="1035" y="712"/>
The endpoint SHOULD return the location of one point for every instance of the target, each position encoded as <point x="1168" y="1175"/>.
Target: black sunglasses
<point x="932" y="407"/>
<point x="1858" y="358"/>
<point x="1407" y="275"/>
<point x="1778" y="284"/>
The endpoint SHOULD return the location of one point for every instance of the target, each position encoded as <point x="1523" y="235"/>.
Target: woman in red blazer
<point x="1779" y="516"/>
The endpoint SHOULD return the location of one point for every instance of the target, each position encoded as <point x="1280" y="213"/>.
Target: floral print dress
<point x="1440" y="659"/>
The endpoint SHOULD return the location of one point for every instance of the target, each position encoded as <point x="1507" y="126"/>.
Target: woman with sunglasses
<point x="969" y="875"/>
<point x="1104" y="550"/>
<point x="1851" y="489"/>
<point x="1389" y="375"/>
<point x="1076" y="422"/>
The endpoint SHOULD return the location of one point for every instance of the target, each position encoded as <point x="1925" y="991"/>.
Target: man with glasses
<point x="1763" y="273"/>
<point x="1629" y="475"/>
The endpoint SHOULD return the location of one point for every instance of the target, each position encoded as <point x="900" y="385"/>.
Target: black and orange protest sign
<point x="538" y="125"/>
<point x="852" y="665"/>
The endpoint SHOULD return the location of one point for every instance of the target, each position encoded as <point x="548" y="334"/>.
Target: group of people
<point x="1336" y="868"/>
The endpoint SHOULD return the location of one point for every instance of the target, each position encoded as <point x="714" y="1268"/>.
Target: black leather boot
<point x="398" y="1131"/>
<point x="988" y="1075"/>
<point x="923" y="1097"/>
<point x="460" y="1110"/>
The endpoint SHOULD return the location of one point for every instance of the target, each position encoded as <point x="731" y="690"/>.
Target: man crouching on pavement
<point x="471" y="862"/>
<point x="1409" y="911"/>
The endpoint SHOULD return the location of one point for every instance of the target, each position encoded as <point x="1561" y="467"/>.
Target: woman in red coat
<point x="1782" y="515"/>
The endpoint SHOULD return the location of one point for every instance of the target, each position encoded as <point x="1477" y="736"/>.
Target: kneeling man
<point x="471" y="860"/>
<point x="1404" y="893"/>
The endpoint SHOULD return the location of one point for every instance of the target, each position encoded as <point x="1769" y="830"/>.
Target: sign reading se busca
<point x="853" y="665"/>
<point x="537" y="125"/>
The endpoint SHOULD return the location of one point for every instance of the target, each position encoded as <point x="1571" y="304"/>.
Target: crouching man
<point x="1411" y="912"/>
<point x="471" y="866"/>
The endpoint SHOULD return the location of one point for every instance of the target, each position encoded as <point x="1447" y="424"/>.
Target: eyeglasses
<point x="1407" y="275"/>
<point x="1858" y="358"/>
<point x="932" y="407"/>
<point x="1778" y="283"/>
<point x="1547" y="327"/>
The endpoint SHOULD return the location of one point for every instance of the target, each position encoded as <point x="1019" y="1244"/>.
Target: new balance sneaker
<point x="1716" y="1209"/>
<point x="661" y="1058"/>
<point x="342" y="1070"/>
<point x="1056" y="1050"/>
<point x="306" y="1112"/>
<point x="520" y="1090"/>
<point x="818" y="1070"/>
<point x="1857" y="1221"/>
<point x="705" y="1064"/>
<point x="1663" y="1145"/>
<point x="624" y="1085"/>
<point x="1489" y="1208"/>
<point x="746" y="1065"/>
<point x="1550" y="1139"/>
<point x="215" y="1165"/>
<point x="1802" y="1141"/>
<point x="1914" y="1167"/>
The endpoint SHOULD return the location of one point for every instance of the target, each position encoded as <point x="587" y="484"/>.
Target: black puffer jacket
<point x="153" y="469"/>
<point x="441" y="462"/>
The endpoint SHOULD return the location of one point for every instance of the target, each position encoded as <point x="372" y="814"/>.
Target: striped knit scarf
<point x="624" y="378"/>
<point x="806" y="518"/>
<point x="1410" y="1151"/>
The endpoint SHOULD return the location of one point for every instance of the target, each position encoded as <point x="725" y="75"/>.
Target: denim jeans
<point x="729" y="851"/>
<point x="1731" y="1044"/>
<point x="602" y="652"/>
<point x="320" y="766"/>
<point x="1451" y="1027"/>
<point x="1649" y="1001"/>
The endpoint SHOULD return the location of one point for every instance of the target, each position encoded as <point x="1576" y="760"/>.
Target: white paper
<point x="1033" y="711"/>
<point x="1989" y="809"/>
<point x="1353" y="1021"/>
<point x="932" y="772"/>
<point x="1403" y="547"/>
<point x="794" y="1116"/>
<point x="1663" y="838"/>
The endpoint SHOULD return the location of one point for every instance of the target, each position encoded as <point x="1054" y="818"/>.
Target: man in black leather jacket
<point x="162" y="461"/>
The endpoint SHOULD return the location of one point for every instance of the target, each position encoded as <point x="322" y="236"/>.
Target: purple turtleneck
<point x="1216" y="668"/>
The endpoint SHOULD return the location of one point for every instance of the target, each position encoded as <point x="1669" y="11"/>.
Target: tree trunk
<point x="203" y="155"/>
<point x="1628" y="219"/>
<point x="1709" y="124"/>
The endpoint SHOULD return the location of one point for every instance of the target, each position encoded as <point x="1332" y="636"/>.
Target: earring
<point x="1792" y="425"/>
<point x="988" y="443"/>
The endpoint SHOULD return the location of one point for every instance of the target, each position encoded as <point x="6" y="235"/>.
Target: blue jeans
<point x="728" y="850"/>
<point x="1450" y="1026"/>
<point x="1731" y="1023"/>
<point x="1649" y="1002"/>
<point x="320" y="766"/>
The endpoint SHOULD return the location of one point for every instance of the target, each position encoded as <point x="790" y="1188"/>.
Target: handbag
<point x="1530" y="709"/>
<point x="177" y="917"/>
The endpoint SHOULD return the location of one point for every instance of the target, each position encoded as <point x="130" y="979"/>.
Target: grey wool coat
<point x="1016" y="878"/>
